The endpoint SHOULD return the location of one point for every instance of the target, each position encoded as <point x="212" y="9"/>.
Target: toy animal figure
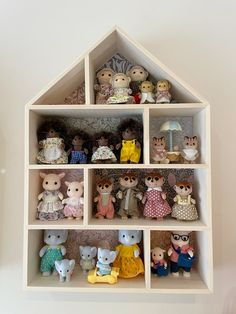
<point x="105" y="258"/>
<point x="159" y="265"/>
<point x="87" y="257"/>
<point x="121" y="91"/>
<point x="147" y="95"/>
<point x="103" y="153"/>
<point x="74" y="203"/>
<point x="128" y="258"/>
<point x="158" y="150"/>
<point x="105" y="200"/>
<point x="163" y="95"/>
<point x="130" y="131"/>
<point x="53" y="250"/>
<point x="129" y="195"/>
<point x="154" y="198"/>
<point x="181" y="253"/>
<point x="79" y="151"/>
<point x="190" y="151"/>
<point x="104" y="88"/>
<point x="50" y="206"/>
<point x="51" y="135"/>
<point x="65" y="269"/>
<point x="137" y="75"/>
<point x="185" y="206"/>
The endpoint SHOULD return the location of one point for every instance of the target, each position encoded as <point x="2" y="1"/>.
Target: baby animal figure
<point x="65" y="269"/>
<point x="105" y="200"/>
<point x="158" y="151"/>
<point x="190" y="151"/>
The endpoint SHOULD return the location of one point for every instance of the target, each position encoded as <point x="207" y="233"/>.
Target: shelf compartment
<point x="34" y="280"/>
<point x="64" y="86"/>
<point x="200" y="178"/>
<point x="201" y="272"/>
<point x="97" y="119"/>
<point x="35" y="188"/>
<point x="194" y="121"/>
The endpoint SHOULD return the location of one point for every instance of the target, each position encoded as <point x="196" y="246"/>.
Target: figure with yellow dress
<point x="128" y="258"/>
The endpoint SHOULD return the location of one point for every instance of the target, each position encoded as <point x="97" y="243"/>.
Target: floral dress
<point x="130" y="266"/>
<point x="50" y="208"/>
<point x="74" y="207"/>
<point x="121" y="96"/>
<point x="155" y="206"/>
<point x="103" y="153"/>
<point x="52" y="151"/>
<point x="183" y="209"/>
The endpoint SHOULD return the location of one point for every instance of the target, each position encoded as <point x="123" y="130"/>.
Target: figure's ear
<point x="81" y="249"/>
<point x="57" y="264"/>
<point x="186" y="138"/>
<point x="67" y="183"/>
<point x="171" y="179"/>
<point x="191" y="179"/>
<point x="113" y="256"/>
<point x="42" y="175"/>
<point x="99" y="251"/>
<point x="163" y="250"/>
<point x="128" y="72"/>
<point x="169" y="85"/>
<point x="146" y="74"/>
<point x="195" y="137"/>
<point x="129" y="79"/>
<point x="111" y="80"/>
<point x="72" y="263"/>
<point x="94" y="251"/>
<point x="82" y="183"/>
<point x="61" y="175"/>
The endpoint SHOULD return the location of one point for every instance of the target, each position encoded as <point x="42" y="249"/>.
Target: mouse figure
<point x="104" y="199"/>
<point x="51" y="136"/>
<point x="156" y="205"/>
<point x="137" y="75"/>
<point x="147" y="95"/>
<point x="121" y="91"/>
<point x="103" y="88"/>
<point x="129" y="195"/>
<point x="181" y="253"/>
<point x="74" y="203"/>
<point x="53" y="250"/>
<point x="158" y="150"/>
<point x="78" y="153"/>
<point x="50" y="206"/>
<point x="163" y="95"/>
<point x="105" y="258"/>
<point x="130" y="131"/>
<point x="128" y="254"/>
<point x="103" y="151"/>
<point x="190" y="152"/>
<point x="159" y="265"/>
<point x="87" y="257"/>
<point x="65" y="269"/>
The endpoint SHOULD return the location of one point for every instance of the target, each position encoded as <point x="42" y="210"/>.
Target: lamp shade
<point x="170" y="126"/>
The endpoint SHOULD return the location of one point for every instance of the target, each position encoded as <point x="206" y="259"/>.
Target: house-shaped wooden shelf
<point x="189" y="108"/>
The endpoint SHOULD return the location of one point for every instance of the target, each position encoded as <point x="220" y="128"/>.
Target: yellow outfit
<point x="129" y="151"/>
<point x="130" y="266"/>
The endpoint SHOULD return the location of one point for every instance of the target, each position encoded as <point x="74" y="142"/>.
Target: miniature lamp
<point x="170" y="126"/>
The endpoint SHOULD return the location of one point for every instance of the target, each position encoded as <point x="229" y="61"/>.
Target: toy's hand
<point x="119" y="195"/>
<point x="64" y="201"/>
<point x="95" y="199"/>
<point x="42" y="251"/>
<point x="130" y="91"/>
<point x="163" y="195"/>
<point x="97" y="87"/>
<point x="111" y="147"/>
<point x="175" y="199"/>
<point x="152" y="264"/>
<point x="82" y="201"/>
<point x="136" y="253"/>
<point x="63" y="250"/>
<point x="144" y="200"/>
<point x="138" y="145"/>
<point x="40" y="196"/>
<point x="190" y="253"/>
<point x="139" y="196"/>
<point x="170" y="251"/>
<point x="113" y="199"/>
<point x="165" y="265"/>
<point x="193" y="201"/>
<point x="86" y="151"/>
<point x="60" y="195"/>
<point x="118" y="146"/>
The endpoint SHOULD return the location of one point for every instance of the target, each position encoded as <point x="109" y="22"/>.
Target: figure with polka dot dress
<point x="156" y="205"/>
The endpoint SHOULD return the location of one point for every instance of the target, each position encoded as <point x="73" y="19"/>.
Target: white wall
<point x="39" y="39"/>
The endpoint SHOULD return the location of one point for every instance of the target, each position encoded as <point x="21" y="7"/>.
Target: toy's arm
<point x="163" y="195"/>
<point x="138" y="145"/>
<point x="111" y="147"/>
<point x="136" y="253"/>
<point x="81" y="200"/>
<point x="94" y="149"/>
<point x="42" y="251"/>
<point x="193" y="201"/>
<point x="60" y="195"/>
<point x="190" y="252"/>
<point x="95" y="199"/>
<point x="65" y="201"/>
<point x="41" y="143"/>
<point x="69" y="151"/>
<point x="165" y="264"/>
<point x="97" y="87"/>
<point x="113" y="199"/>
<point x="118" y="146"/>
<point x="139" y="195"/>
<point x="152" y="264"/>
<point x="119" y="195"/>
<point x="86" y="151"/>
<point x="170" y="251"/>
<point x="40" y="196"/>
<point x="63" y="250"/>
<point x="130" y="91"/>
<point x="144" y="199"/>
<point x="175" y="199"/>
